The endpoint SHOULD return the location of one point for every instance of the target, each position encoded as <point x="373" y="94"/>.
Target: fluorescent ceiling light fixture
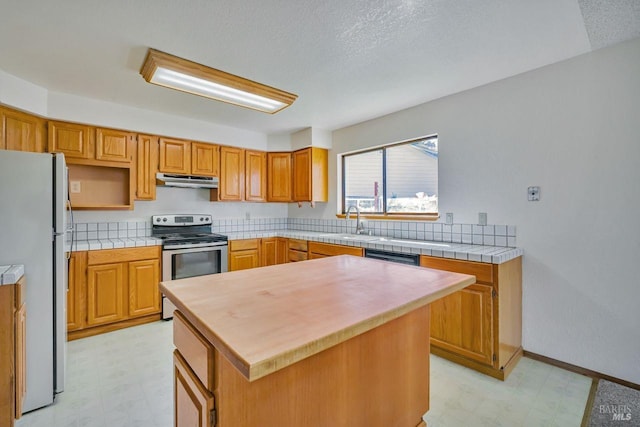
<point x="176" y="73"/>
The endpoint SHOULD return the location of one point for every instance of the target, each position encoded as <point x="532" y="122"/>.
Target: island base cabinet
<point x="379" y="379"/>
<point x="193" y="402"/>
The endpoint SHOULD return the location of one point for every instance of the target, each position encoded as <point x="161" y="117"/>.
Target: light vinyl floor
<point x="124" y="378"/>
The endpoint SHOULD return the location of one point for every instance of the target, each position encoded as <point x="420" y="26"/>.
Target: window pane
<point x="412" y="177"/>
<point x="363" y="181"/>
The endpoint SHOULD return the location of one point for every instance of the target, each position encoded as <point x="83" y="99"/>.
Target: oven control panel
<point x="181" y="220"/>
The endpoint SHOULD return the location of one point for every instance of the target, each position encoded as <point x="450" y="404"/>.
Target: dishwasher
<point x="409" y="259"/>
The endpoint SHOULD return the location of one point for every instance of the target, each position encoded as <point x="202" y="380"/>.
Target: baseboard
<point x="580" y="370"/>
<point x="97" y="330"/>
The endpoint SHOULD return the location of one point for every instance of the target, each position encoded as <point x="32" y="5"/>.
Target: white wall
<point x="573" y="129"/>
<point x="22" y="94"/>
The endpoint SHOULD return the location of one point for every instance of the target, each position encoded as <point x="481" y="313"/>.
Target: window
<point x="399" y="178"/>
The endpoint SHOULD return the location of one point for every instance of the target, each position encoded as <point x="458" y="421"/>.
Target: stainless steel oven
<point x="189" y="249"/>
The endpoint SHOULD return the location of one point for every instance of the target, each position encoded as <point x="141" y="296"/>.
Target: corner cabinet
<point x="112" y="289"/>
<point x="480" y="326"/>
<point x="21" y="131"/>
<point x="310" y="175"/>
<point x="12" y="351"/>
<point x="253" y="253"/>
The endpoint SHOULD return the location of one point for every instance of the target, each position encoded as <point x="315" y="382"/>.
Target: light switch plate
<point x="533" y="194"/>
<point x="75" y="187"/>
<point x="449" y="217"/>
<point x="482" y="218"/>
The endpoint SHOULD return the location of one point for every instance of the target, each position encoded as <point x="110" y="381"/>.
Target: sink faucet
<point x="359" y="224"/>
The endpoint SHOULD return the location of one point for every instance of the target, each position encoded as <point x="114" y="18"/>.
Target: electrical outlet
<point x="75" y="187"/>
<point x="482" y="218"/>
<point x="449" y="217"/>
<point x="534" y="194"/>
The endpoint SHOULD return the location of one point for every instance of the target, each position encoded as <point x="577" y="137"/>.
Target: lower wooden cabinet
<point x="253" y="253"/>
<point x="322" y="250"/>
<point x="12" y="351"/>
<point x="297" y="250"/>
<point x="105" y="293"/>
<point x="480" y="326"/>
<point x="193" y="404"/>
<point x="244" y="254"/>
<point x="111" y="289"/>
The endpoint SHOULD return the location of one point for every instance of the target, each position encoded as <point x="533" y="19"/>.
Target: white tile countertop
<point x="10" y="274"/>
<point x="467" y="252"/>
<point x="115" y="243"/>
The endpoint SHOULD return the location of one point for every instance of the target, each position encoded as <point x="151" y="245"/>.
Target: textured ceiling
<point x="347" y="60"/>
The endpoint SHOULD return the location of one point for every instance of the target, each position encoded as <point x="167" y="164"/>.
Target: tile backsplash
<point x="492" y="235"/>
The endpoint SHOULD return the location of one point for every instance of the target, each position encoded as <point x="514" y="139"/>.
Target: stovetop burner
<point x="185" y="230"/>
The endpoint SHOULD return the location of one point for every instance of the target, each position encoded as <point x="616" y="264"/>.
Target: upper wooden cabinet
<point x="279" y="177"/>
<point x="22" y="132"/>
<point x="73" y="140"/>
<point x="87" y="143"/>
<point x="147" y="167"/>
<point x="188" y="158"/>
<point x="310" y="175"/>
<point x="231" y="186"/>
<point x="255" y="176"/>
<point x="115" y="145"/>
<point x="205" y="159"/>
<point x="175" y="156"/>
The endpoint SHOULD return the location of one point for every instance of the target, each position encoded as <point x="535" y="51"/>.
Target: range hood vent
<point x="186" y="181"/>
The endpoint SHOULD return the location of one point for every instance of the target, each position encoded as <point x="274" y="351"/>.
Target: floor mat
<point x="614" y="405"/>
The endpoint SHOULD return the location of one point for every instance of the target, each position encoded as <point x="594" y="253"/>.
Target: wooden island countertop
<point x="263" y="320"/>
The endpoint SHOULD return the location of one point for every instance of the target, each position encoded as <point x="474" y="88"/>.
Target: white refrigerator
<point x="33" y="222"/>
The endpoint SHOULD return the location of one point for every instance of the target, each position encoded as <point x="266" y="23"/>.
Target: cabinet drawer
<point x="482" y="271"/>
<point x="243" y="245"/>
<point x="298" y="245"/>
<point x="327" y="249"/>
<point x="123" y="255"/>
<point x="295" y="256"/>
<point x="194" y="348"/>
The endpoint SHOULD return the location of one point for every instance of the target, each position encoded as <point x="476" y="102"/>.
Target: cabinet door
<point x="144" y="291"/>
<point x="310" y="175"/>
<point x="193" y="403"/>
<point x="268" y="251"/>
<point x="231" y="186"/>
<point x="463" y="323"/>
<point x="147" y="167"/>
<point x="20" y="131"/>
<point x="175" y="156"/>
<point x="255" y="176"/>
<point x="302" y="175"/>
<point x="242" y="260"/>
<point x="74" y="140"/>
<point x="279" y="177"/>
<point x="114" y="145"/>
<point x="105" y="293"/>
<point x="21" y="358"/>
<point x="205" y="159"/>
<point x="76" y="291"/>
<point x="282" y="250"/>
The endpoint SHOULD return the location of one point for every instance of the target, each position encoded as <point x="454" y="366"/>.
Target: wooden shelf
<point x="100" y="187"/>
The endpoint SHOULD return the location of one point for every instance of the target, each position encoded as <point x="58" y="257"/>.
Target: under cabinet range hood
<point x="186" y="181"/>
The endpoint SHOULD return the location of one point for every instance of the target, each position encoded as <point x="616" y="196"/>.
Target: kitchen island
<point x="340" y="341"/>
